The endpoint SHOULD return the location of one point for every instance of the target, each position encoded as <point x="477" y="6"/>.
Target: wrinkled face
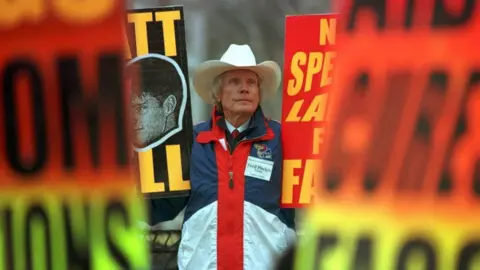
<point x="239" y="91"/>
<point x="148" y="119"/>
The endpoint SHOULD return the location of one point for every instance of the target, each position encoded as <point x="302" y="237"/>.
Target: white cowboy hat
<point x="236" y="57"/>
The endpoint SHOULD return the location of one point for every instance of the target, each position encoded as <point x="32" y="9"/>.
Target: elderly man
<point x="233" y="218"/>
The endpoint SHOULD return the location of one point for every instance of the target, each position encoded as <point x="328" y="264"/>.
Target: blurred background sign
<point x="401" y="183"/>
<point x="160" y="100"/>
<point x="308" y="70"/>
<point x="67" y="200"/>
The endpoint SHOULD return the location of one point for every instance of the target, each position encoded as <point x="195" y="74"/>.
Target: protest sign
<point x="309" y="57"/>
<point x="67" y="198"/>
<point x="401" y="175"/>
<point x="157" y="78"/>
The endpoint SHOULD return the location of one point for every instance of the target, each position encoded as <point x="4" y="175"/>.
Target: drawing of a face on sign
<point x="158" y="99"/>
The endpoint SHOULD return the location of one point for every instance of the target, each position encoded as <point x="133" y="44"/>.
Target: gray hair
<point x="217" y="87"/>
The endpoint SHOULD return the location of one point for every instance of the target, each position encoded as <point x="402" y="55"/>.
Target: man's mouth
<point x="138" y="128"/>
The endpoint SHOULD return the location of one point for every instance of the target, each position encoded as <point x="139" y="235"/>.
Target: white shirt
<point x="240" y="128"/>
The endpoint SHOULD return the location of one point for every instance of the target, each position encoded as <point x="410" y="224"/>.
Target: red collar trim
<point x="216" y="133"/>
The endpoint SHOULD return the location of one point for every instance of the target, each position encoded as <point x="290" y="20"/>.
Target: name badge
<point x="259" y="168"/>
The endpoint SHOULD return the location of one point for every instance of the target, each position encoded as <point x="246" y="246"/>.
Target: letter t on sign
<point x="168" y="19"/>
<point x="140" y="20"/>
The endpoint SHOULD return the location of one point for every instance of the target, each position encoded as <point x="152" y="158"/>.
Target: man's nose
<point x="244" y="88"/>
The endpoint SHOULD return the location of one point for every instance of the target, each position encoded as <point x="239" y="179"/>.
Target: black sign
<point x="157" y="79"/>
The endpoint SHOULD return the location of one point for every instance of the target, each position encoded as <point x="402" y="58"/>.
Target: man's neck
<point x="236" y="120"/>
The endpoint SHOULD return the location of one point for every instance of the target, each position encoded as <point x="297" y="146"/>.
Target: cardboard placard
<point x="309" y="58"/>
<point x="157" y="79"/>
<point x="401" y="175"/>
<point x="67" y="198"/>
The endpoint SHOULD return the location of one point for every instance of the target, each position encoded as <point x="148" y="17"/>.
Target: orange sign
<point x="401" y="181"/>
<point x="309" y="57"/>
<point x="67" y="200"/>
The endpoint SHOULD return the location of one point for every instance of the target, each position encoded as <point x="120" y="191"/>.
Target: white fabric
<point x="265" y="238"/>
<point x="240" y="129"/>
<point x="198" y="247"/>
<point x="236" y="57"/>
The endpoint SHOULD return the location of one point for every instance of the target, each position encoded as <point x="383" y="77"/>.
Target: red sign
<point x="309" y="58"/>
<point x="67" y="200"/>
<point x="401" y="182"/>
<point x="405" y="108"/>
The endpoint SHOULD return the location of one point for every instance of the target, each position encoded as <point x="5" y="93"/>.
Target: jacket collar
<point x="240" y="129"/>
<point x="257" y="130"/>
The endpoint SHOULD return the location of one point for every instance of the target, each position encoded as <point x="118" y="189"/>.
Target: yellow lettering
<point x="317" y="109"/>
<point x="293" y="114"/>
<point x="3" y="242"/>
<point x="295" y="85"/>
<point x="328" y="31"/>
<point x="139" y="21"/>
<point x="289" y="179"/>
<point x="174" y="167"/>
<point x="317" y="139"/>
<point x="327" y="67"/>
<point x="128" y="52"/>
<point x="168" y="19"/>
<point x="147" y="176"/>
<point x="83" y="11"/>
<point x="417" y="260"/>
<point x="315" y="60"/>
<point x="14" y="12"/>
<point x="39" y="239"/>
<point x="310" y="181"/>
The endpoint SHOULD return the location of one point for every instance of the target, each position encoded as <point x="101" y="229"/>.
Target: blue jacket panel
<point x="204" y="175"/>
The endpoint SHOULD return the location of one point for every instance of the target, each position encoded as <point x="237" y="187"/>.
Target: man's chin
<point x="140" y="144"/>
<point x="245" y="108"/>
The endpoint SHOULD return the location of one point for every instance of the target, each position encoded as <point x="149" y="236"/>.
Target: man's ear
<point x="216" y="98"/>
<point x="169" y="104"/>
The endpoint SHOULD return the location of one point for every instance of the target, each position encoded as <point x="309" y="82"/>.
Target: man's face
<point x="240" y="92"/>
<point x="148" y="119"/>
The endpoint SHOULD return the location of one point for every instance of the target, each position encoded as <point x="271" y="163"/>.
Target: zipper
<point x="231" y="184"/>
